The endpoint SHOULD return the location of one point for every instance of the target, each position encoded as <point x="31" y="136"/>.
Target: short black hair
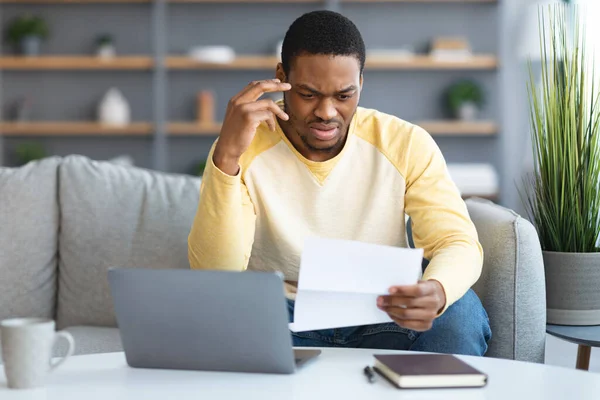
<point x="322" y="32"/>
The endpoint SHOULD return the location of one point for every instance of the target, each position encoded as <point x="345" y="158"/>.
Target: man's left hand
<point x="415" y="306"/>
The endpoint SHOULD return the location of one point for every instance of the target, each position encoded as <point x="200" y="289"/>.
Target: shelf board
<point x="424" y="62"/>
<point x="193" y="129"/>
<point x="372" y="63"/>
<point x="74" y="63"/>
<point x="435" y="128"/>
<point x="323" y="1"/>
<point x="478" y="128"/>
<point x="71" y="129"/>
<point x="474" y="128"/>
<point x="241" y="62"/>
<point x="246" y="1"/>
<point x="419" y="1"/>
<point x="71" y="1"/>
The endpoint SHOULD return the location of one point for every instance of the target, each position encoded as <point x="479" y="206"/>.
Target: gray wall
<point x="255" y="28"/>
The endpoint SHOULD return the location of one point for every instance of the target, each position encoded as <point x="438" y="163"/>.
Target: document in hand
<point x="340" y="281"/>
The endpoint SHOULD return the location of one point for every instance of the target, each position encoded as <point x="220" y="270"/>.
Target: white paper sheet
<point x="340" y="280"/>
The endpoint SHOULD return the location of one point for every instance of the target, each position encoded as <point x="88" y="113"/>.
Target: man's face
<point x="321" y="103"/>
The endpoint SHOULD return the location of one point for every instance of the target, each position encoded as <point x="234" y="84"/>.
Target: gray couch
<point x="65" y="221"/>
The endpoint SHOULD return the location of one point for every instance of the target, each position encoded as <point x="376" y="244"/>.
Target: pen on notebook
<point x="369" y="374"/>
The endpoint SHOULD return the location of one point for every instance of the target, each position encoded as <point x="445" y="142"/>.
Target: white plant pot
<point x="31" y="46"/>
<point x="468" y="111"/>
<point x="572" y="282"/>
<point x="114" y="109"/>
<point x="106" y="51"/>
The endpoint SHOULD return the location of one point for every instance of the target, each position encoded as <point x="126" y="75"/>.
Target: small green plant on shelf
<point x="464" y="99"/>
<point x="199" y="168"/>
<point x="26" y="32"/>
<point x="29" y="151"/>
<point x="105" y="45"/>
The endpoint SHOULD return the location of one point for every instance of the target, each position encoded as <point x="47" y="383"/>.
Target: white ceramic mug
<point x="27" y="345"/>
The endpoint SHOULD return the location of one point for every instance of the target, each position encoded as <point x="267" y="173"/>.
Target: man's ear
<point x="361" y="81"/>
<point x="280" y="73"/>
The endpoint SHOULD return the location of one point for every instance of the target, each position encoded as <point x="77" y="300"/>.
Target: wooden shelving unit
<point x="419" y="1"/>
<point x="343" y="1"/>
<point x="193" y="129"/>
<point x="474" y="128"/>
<point x="246" y="1"/>
<point x="56" y="128"/>
<point x="71" y="1"/>
<point x="75" y="63"/>
<point x="482" y="62"/>
<point x="435" y="128"/>
<point x="241" y="62"/>
<point x="424" y="62"/>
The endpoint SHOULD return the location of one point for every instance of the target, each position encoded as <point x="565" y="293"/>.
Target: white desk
<point x="336" y="374"/>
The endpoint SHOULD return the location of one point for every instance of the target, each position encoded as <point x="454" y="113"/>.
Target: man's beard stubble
<point x="293" y="122"/>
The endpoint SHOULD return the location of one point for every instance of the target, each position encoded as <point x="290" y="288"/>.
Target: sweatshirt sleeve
<point x="222" y="233"/>
<point x="441" y="224"/>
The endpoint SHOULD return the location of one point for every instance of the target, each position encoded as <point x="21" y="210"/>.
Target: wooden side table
<point x="585" y="337"/>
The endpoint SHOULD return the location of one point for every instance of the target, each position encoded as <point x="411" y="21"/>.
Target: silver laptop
<point x="204" y="320"/>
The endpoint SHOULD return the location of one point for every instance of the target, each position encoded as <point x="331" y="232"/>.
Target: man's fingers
<point x="250" y="86"/>
<point x="256" y="89"/>
<point x="407" y="302"/>
<point x="421" y="289"/>
<point x="409" y="314"/>
<point x="266" y="104"/>
<point x="419" y="326"/>
<point x="271" y="123"/>
<point x="264" y="116"/>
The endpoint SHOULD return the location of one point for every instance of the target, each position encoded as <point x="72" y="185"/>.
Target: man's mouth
<point x="324" y="132"/>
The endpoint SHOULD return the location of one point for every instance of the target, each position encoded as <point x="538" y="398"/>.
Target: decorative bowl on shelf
<point x="213" y="54"/>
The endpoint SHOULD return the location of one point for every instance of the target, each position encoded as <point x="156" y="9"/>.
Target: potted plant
<point x="29" y="151"/>
<point x="26" y="33"/>
<point x="464" y="98"/>
<point x="105" y="46"/>
<point x="199" y="168"/>
<point x="563" y="196"/>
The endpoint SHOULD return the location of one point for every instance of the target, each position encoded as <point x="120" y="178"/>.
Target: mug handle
<point x="65" y="335"/>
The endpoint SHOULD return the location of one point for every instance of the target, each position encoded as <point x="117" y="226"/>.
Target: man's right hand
<point x="243" y="116"/>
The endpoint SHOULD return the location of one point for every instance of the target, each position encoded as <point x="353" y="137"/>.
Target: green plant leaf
<point x="563" y="194"/>
<point x="25" y="25"/>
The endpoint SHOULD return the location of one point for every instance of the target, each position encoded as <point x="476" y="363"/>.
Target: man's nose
<point x="325" y="110"/>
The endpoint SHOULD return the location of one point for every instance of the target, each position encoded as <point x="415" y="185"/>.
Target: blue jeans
<point x="463" y="329"/>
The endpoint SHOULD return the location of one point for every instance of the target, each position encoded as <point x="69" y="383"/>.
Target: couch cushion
<point x="116" y="216"/>
<point x="28" y="239"/>
<point x="512" y="285"/>
<point x="90" y="340"/>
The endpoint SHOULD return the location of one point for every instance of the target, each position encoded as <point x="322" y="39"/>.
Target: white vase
<point x="114" y="109"/>
<point x="468" y="111"/>
<point x="106" y="51"/>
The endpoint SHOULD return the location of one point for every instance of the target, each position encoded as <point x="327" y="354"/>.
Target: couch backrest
<point x="28" y="239"/>
<point x="116" y="216"/>
<point x="512" y="284"/>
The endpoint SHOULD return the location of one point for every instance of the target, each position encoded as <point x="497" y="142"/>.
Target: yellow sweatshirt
<point x="388" y="167"/>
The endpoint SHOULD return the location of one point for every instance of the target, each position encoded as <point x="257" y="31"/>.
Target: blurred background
<point x="146" y="82"/>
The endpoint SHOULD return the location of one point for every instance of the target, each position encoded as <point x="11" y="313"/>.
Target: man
<point x="317" y="164"/>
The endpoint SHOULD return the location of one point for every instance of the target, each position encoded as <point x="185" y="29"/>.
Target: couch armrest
<point x="512" y="285"/>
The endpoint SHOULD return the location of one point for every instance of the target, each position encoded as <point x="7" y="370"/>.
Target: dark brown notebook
<point x="420" y="371"/>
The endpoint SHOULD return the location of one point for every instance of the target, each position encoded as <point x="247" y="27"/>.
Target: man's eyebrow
<point x="348" y="89"/>
<point x="308" y="88"/>
<point x="314" y="91"/>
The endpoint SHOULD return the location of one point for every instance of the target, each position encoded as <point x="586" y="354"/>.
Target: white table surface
<point x="336" y="374"/>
